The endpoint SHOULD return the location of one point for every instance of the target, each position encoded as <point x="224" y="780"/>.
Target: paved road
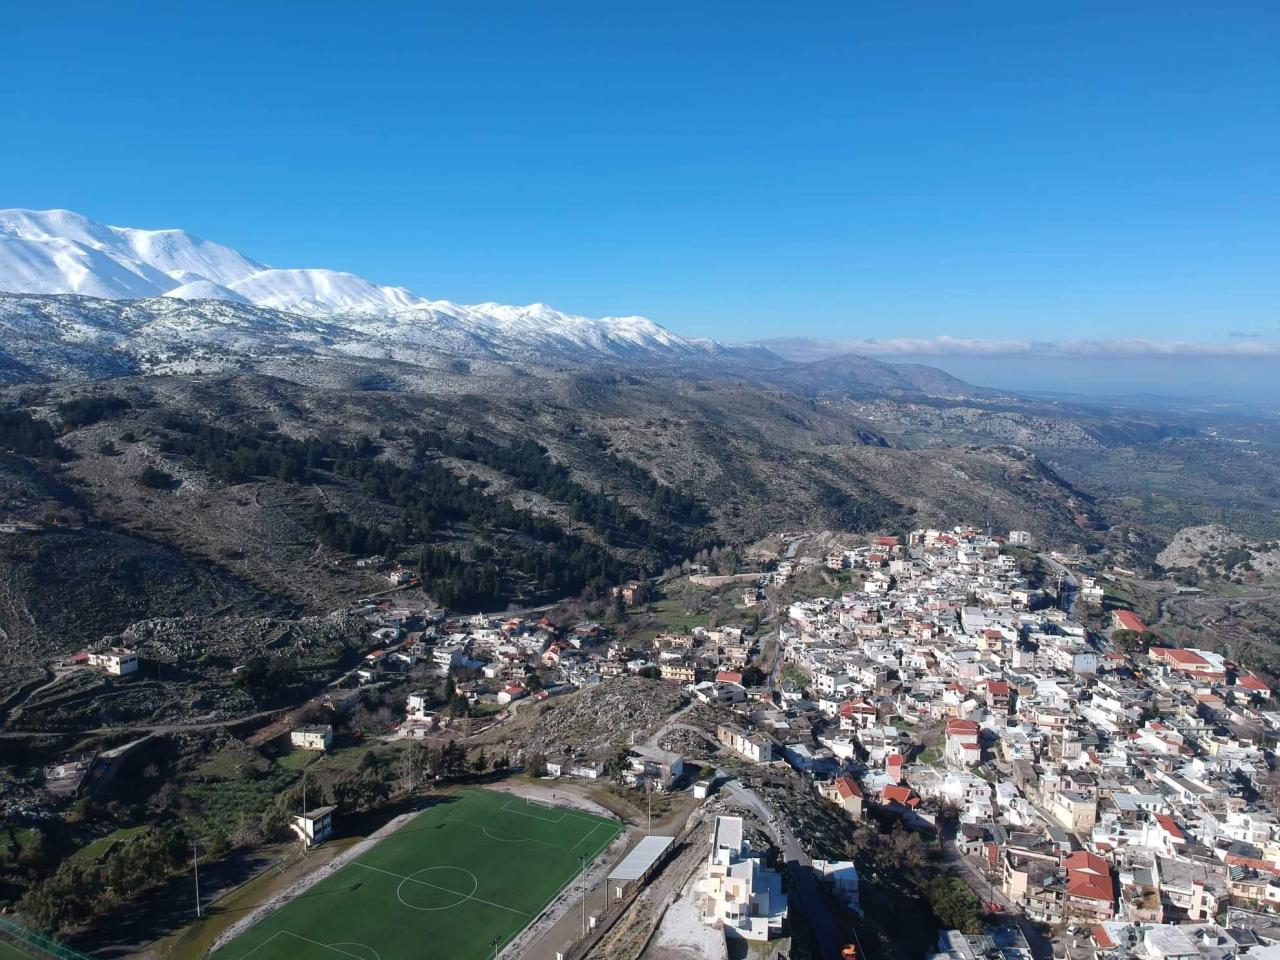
<point x="1070" y="586"/>
<point x="141" y="727"/>
<point x="984" y="890"/>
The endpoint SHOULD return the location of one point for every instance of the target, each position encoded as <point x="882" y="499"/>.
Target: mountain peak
<point x="63" y="252"/>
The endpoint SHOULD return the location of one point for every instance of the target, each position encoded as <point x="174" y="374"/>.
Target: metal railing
<point x="20" y="936"/>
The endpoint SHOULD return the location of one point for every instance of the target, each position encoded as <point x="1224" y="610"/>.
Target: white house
<point x="419" y="704"/>
<point x="314" y="826"/>
<point x="739" y="892"/>
<point x="117" y="661"/>
<point x="842" y="877"/>
<point x="316" y="737"/>
<point x="660" y="767"/>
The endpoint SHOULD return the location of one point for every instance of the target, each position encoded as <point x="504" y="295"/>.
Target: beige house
<point x="758" y="747"/>
<point x="1077" y="812"/>
<point x="681" y="671"/>
<point x="117" y="661"/>
<point x="314" y="826"/>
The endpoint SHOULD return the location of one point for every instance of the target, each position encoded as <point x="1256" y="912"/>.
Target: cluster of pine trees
<point x="538" y="558"/>
<point x="83" y="411"/>
<point x="529" y="465"/>
<point x="80" y="890"/>
<point x="338" y="532"/>
<point x="22" y="434"/>
<point x="238" y="456"/>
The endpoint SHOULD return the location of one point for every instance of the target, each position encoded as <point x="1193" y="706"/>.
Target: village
<point x="1099" y="793"/>
<point x="1117" y="795"/>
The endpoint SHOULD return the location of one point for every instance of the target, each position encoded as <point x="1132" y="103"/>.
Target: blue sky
<point x="739" y="170"/>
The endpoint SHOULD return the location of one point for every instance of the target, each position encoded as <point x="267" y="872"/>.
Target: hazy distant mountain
<point x="850" y="373"/>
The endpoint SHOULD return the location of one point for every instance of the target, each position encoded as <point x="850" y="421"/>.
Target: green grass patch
<point x="298" y="759"/>
<point x="797" y="676"/>
<point x="931" y="755"/>
<point x="349" y="758"/>
<point x="671" y="616"/>
<point x="96" y="848"/>
<point x="1225" y="588"/>
<point x="9" y="952"/>
<point x="476" y="866"/>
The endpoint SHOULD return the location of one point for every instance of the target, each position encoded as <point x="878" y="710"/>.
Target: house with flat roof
<point x="739" y="892"/>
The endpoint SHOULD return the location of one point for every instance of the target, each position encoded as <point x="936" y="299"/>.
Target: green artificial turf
<point x="475" y="866"/>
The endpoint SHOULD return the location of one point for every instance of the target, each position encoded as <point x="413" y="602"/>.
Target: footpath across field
<point x="463" y="877"/>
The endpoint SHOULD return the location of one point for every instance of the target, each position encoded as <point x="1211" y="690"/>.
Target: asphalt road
<point x="984" y="890"/>
<point x="1070" y="586"/>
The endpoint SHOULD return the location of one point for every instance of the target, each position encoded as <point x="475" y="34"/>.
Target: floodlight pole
<point x="305" y="844"/>
<point x="195" y="866"/>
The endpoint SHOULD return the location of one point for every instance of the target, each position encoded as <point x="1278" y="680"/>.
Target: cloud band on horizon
<point x="803" y="348"/>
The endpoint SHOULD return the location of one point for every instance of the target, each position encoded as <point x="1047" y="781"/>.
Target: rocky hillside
<point x="1213" y="551"/>
<point x="154" y="496"/>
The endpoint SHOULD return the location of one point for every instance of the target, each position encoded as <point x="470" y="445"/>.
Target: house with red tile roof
<point x="1090" y="887"/>
<point x="1251" y="685"/>
<point x="1127" y="620"/>
<point x="857" y="715"/>
<point x="1197" y="664"/>
<point x="846" y="793"/>
<point x="896" y="795"/>
<point x="962" y="747"/>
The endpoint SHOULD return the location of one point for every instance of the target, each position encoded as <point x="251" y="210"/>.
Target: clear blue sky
<point x="737" y="170"/>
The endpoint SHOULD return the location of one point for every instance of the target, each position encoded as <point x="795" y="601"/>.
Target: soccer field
<point x="476" y="866"/>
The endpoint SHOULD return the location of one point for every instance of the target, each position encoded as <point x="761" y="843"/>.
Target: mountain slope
<point x="57" y="337"/>
<point x="850" y="373"/>
<point x="61" y="252"/>
<point x="184" y="303"/>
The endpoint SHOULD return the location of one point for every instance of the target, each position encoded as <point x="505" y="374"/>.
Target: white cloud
<point x="943" y="346"/>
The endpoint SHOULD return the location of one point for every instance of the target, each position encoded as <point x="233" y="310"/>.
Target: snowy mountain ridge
<point x="61" y="252"/>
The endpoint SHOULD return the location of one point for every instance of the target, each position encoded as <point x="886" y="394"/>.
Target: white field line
<point x="534" y="816"/>
<point x="326" y="946"/>
<point x="261" y="945"/>
<point x="591" y="858"/>
<point x="585" y="835"/>
<point x="500" y="906"/>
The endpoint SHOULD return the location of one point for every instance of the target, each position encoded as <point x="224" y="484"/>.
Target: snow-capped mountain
<point x="66" y="336"/>
<point x="61" y="252"/>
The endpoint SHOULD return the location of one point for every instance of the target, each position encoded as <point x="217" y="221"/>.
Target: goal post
<point x="539" y="802"/>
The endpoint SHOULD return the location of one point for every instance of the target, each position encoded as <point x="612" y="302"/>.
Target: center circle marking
<point x="437" y="878"/>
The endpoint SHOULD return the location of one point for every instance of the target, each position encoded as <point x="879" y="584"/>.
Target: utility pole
<point x="648" y="794"/>
<point x="306" y="845"/>
<point x="582" y="879"/>
<point x="195" y="867"/>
